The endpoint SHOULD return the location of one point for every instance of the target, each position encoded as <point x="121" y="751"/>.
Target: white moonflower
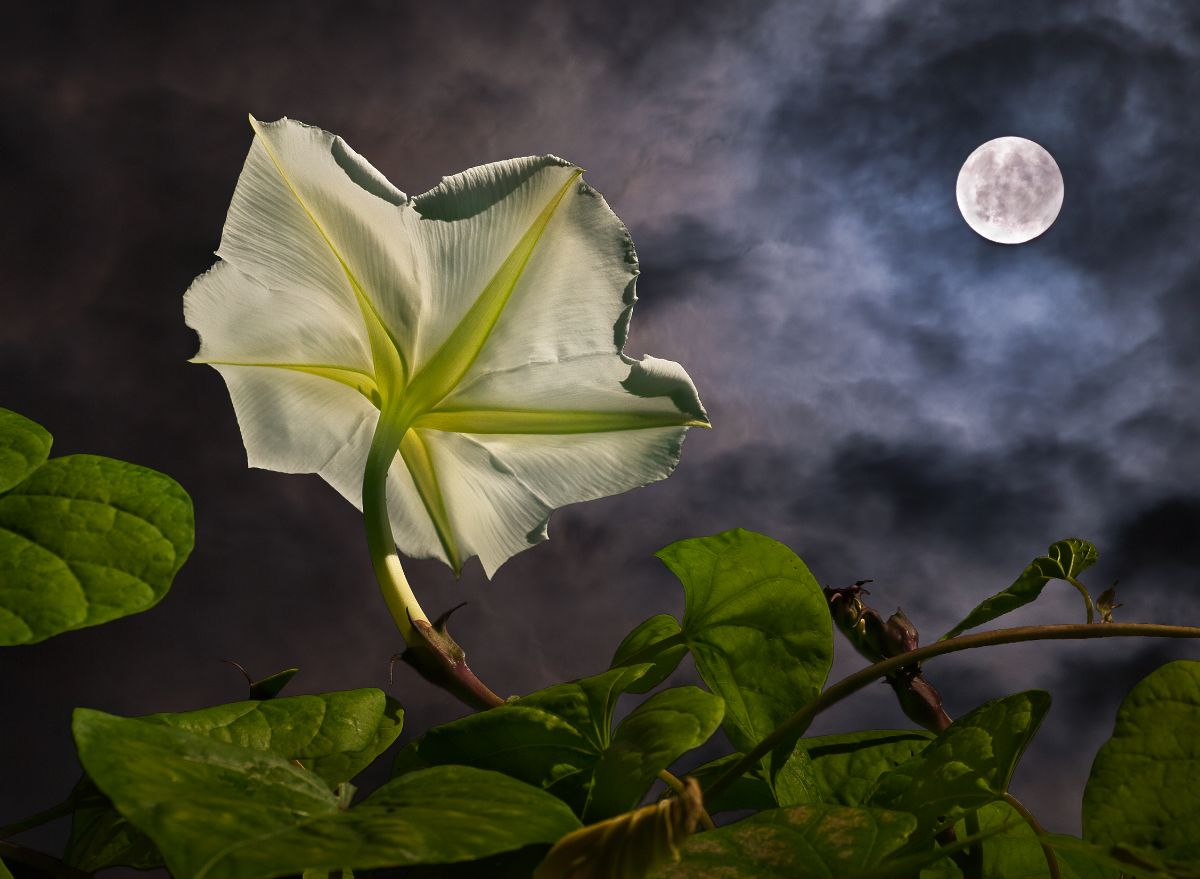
<point x="460" y="349"/>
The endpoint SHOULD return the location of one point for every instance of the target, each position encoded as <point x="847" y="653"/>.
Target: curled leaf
<point x="1064" y="560"/>
<point x="628" y="846"/>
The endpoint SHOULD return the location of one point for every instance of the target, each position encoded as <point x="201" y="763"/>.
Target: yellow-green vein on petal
<point x="447" y="367"/>
<point x="552" y="422"/>
<point x="390" y="367"/>
<point x="419" y="462"/>
<point x="357" y="379"/>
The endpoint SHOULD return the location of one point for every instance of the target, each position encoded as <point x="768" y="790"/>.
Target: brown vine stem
<point x="799" y="721"/>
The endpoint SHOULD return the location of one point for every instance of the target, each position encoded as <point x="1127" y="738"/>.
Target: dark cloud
<point x="893" y="396"/>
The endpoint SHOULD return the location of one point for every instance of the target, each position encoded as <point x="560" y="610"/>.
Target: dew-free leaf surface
<point x="1144" y="788"/>
<point x="967" y="765"/>
<point x="221" y="810"/>
<point x="24" y="446"/>
<point x="85" y="540"/>
<point x="847" y="765"/>
<point x="561" y="739"/>
<point x="1064" y="559"/>
<point x="758" y="627"/>
<point x="658" y="640"/>
<point x="333" y="735"/>
<point x="802" y="842"/>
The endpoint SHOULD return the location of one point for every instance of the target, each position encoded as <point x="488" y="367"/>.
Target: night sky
<point x="892" y="395"/>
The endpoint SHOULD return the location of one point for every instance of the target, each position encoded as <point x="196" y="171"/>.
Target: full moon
<point x="1010" y="190"/>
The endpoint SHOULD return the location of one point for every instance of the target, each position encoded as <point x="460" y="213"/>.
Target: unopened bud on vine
<point x="900" y="635"/>
<point x="1107" y="603"/>
<point x="862" y="625"/>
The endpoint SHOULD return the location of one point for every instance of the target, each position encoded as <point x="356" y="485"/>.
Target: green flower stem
<point x="799" y="721"/>
<point x="676" y="785"/>
<point x="1051" y="858"/>
<point x="397" y="592"/>
<point x="1087" y="599"/>
<point x="430" y="649"/>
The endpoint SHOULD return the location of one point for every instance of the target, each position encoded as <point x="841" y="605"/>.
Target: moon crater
<point x="1010" y="190"/>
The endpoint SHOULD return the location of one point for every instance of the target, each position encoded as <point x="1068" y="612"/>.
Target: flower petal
<point x="242" y="322"/>
<point x="310" y="214"/>
<point x="294" y="422"/>
<point x="493" y="513"/>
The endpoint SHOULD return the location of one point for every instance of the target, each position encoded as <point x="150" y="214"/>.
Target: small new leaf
<point x="1064" y="560"/>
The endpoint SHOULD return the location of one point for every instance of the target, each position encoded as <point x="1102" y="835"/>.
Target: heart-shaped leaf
<point x="658" y="640"/>
<point x="84" y="540"/>
<point x="756" y="623"/>
<point x="1144" y="789"/>
<point x="651" y="738"/>
<point x="333" y="735"/>
<point x="220" y="810"/>
<point x="968" y="765"/>
<point x="561" y="739"/>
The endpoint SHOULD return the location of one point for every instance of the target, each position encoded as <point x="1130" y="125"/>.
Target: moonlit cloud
<point x="892" y="396"/>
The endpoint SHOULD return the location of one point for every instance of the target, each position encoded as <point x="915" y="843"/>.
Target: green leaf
<point x="658" y="640"/>
<point x="795" y="785"/>
<point x="843" y="769"/>
<point x="756" y="623"/>
<point x="1015" y="852"/>
<point x="848" y="764"/>
<point x="272" y="685"/>
<point x="749" y="791"/>
<point x="556" y="738"/>
<point x="24" y="447"/>
<point x="1063" y="560"/>
<point x="968" y="765"/>
<point x="4" y="874"/>
<point x="797" y="843"/>
<point x="651" y="738"/>
<point x="85" y="540"/>
<point x="220" y="810"/>
<point x="102" y="837"/>
<point x="628" y="846"/>
<point x="1093" y="861"/>
<point x="794" y="781"/>
<point x="333" y="735"/>
<point x="1144" y="789"/>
